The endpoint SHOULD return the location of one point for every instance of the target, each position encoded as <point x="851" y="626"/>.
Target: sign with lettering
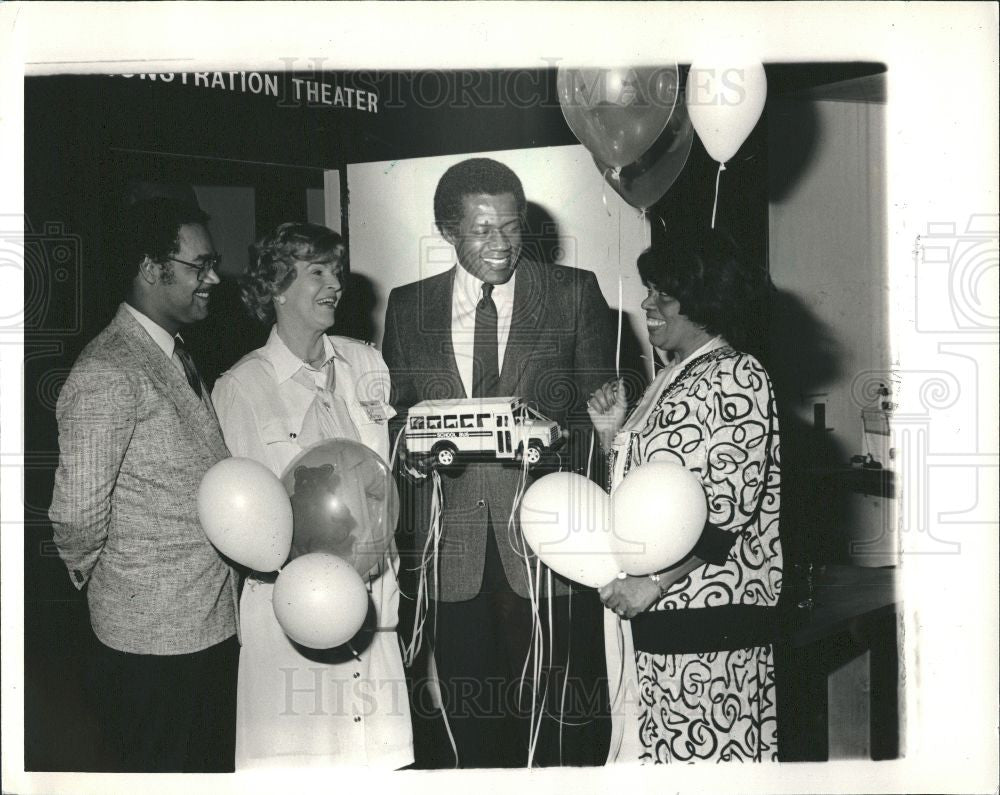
<point x="289" y="90"/>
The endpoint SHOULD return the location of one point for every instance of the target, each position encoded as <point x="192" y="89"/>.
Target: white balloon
<point x="566" y="521"/>
<point x="724" y="101"/>
<point x="246" y="513"/>
<point x="319" y="600"/>
<point x="658" y="512"/>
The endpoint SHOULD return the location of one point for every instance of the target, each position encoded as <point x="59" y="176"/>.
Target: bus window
<point x="417" y="423"/>
<point x="482" y="420"/>
<point x="502" y="421"/>
<point x="468" y="421"/>
<point x="434" y="423"/>
<point x="450" y="421"/>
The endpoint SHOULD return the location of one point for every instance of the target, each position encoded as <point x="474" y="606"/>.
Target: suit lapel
<point x="197" y="412"/>
<point x="435" y="299"/>
<point x="525" y="326"/>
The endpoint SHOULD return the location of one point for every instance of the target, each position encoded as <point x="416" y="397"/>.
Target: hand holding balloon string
<point x="630" y="595"/>
<point x="607" y="407"/>
<point x="416" y="466"/>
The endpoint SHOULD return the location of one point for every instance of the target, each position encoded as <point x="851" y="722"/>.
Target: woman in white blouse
<point x="331" y="708"/>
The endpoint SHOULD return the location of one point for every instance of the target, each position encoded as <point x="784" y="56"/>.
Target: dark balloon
<point x="647" y="180"/>
<point x="617" y="113"/>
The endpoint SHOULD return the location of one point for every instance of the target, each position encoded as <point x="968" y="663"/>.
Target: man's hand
<point x="607" y="407"/>
<point x="417" y="466"/>
<point x="630" y="596"/>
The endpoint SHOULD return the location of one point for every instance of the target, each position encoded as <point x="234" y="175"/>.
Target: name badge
<point x="375" y="410"/>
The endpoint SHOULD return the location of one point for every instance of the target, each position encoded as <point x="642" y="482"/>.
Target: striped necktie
<point x="188" y="364"/>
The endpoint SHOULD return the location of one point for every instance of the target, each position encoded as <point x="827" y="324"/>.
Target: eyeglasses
<point x="212" y="262"/>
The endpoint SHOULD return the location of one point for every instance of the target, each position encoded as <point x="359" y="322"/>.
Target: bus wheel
<point x="533" y="454"/>
<point x="446" y="456"/>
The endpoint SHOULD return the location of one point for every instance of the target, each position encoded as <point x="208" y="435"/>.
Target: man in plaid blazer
<point x="136" y="433"/>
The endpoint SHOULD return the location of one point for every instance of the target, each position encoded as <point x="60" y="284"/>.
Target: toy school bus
<point x="504" y="427"/>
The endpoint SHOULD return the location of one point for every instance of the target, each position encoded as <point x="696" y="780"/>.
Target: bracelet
<point x="656" y="581"/>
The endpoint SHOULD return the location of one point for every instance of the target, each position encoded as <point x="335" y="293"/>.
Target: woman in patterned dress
<point x="700" y="632"/>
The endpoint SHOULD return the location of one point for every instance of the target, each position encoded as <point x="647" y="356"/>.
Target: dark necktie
<point x="188" y="363"/>
<point x="485" y="360"/>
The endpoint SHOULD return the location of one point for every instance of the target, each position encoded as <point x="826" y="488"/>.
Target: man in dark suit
<point x="136" y="433"/>
<point x="501" y="324"/>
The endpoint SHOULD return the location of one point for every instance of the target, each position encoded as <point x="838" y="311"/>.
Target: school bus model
<point x="504" y="427"/>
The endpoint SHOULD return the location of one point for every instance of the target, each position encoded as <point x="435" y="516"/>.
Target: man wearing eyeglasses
<point x="137" y="431"/>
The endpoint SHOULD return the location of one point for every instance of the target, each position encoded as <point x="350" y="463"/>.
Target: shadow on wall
<point x="543" y="243"/>
<point x="356" y="310"/>
<point x="793" y="136"/>
<point x="227" y="334"/>
<point x="804" y="359"/>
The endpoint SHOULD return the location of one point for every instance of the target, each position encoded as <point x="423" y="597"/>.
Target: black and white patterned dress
<point x="704" y="665"/>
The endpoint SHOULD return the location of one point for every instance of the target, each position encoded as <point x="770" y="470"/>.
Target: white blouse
<point x="293" y="711"/>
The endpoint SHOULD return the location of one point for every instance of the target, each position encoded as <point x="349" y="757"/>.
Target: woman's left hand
<point x="630" y="596"/>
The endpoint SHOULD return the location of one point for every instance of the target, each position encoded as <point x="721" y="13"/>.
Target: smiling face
<point x="181" y="292"/>
<point x="668" y="329"/>
<point x="487" y="239"/>
<point x="311" y="299"/>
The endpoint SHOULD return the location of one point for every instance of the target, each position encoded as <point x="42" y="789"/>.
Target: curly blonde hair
<point x="272" y="269"/>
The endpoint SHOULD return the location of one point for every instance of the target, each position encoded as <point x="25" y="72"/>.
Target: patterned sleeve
<point x="740" y="427"/>
<point x="721" y="428"/>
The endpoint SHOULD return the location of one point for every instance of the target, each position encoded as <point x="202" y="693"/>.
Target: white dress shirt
<point x="163" y="338"/>
<point x="466" y="295"/>
<point x="293" y="711"/>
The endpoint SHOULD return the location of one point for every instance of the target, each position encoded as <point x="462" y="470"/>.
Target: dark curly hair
<point x="716" y="288"/>
<point x="476" y="175"/>
<point x="272" y="269"/>
<point x="149" y="228"/>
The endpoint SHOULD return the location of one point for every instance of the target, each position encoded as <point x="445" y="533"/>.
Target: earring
<point x="280" y="299"/>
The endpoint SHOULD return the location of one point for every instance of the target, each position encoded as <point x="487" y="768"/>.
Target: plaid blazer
<point x="134" y="442"/>
<point x="560" y="348"/>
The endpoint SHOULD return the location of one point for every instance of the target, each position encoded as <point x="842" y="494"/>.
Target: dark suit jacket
<point x="134" y="442"/>
<point x="560" y="348"/>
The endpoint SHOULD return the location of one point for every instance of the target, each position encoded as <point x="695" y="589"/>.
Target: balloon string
<point x="538" y="692"/>
<point x="618" y="346"/>
<point x="615" y="703"/>
<point x="535" y="628"/>
<point x="515" y="538"/>
<point x="451" y="737"/>
<point x="437" y="500"/>
<point x="604" y="191"/>
<point x="429" y="556"/>
<point x="621" y="311"/>
<point x="715" y="204"/>
<point x="569" y="648"/>
<point x="395" y="449"/>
